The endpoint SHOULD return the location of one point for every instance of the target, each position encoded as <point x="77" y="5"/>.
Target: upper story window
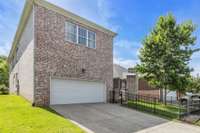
<point x="91" y="39"/>
<point x="82" y="36"/>
<point x="70" y="32"/>
<point x="79" y="35"/>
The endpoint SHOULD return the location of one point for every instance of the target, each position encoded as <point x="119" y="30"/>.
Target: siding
<point x="24" y="65"/>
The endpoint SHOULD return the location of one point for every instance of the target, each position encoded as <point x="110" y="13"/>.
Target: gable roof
<point x="121" y="72"/>
<point x="118" y="71"/>
<point x="28" y="8"/>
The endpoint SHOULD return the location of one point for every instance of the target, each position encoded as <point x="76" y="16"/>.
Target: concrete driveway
<point x="108" y="118"/>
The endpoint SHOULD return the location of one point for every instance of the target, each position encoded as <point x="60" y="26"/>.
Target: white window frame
<point x="92" y="40"/>
<point x="66" y="23"/>
<point x="77" y="35"/>
<point x="87" y="39"/>
<point x="82" y="36"/>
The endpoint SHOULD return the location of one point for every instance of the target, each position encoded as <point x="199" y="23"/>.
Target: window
<point x="82" y="36"/>
<point x="70" y="32"/>
<point x="91" y="39"/>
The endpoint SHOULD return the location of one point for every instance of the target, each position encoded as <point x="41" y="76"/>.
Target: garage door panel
<point x="74" y="91"/>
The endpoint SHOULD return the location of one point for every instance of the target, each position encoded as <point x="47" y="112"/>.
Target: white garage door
<point x="74" y="91"/>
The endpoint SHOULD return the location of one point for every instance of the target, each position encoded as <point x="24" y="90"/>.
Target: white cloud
<point x="128" y="48"/>
<point x="9" y="18"/>
<point x="127" y="63"/>
<point x="195" y="65"/>
<point x="196" y="55"/>
<point x="196" y="69"/>
<point x="106" y="13"/>
<point x="98" y="11"/>
<point x="4" y="49"/>
<point x="127" y="44"/>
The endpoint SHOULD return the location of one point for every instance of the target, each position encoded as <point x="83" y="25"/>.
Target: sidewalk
<point x="172" y="127"/>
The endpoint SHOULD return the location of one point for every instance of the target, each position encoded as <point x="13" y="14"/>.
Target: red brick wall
<point x="57" y="58"/>
<point x="152" y="93"/>
<point x="146" y="90"/>
<point x="144" y="85"/>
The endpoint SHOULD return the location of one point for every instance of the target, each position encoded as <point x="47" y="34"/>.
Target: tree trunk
<point x="177" y="95"/>
<point x="161" y="95"/>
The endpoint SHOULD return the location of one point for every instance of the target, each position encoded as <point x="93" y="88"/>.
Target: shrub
<point x="4" y="90"/>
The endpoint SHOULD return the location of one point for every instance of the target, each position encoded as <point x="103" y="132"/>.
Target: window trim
<point x="92" y="40"/>
<point x="80" y="27"/>
<point x="77" y="35"/>
<point x="66" y="23"/>
<point x="87" y="38"/>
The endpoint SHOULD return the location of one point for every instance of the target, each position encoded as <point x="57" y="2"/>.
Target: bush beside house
<point x="4" y="74"/>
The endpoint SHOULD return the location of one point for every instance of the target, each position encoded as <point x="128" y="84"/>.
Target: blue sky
<point x="131" y="19"/>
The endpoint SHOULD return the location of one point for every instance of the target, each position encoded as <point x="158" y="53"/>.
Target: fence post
<point x="136" y="100"/>
<point x="179" y="109"/>
<point x="113" y="96"/>
<point x="154" y="105"/>
<point x="121" y="100"/>
<point x="179" y="112"/>
<point x="171" y="99"/>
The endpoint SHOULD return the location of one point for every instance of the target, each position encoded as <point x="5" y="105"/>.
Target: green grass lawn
<point x="169" y="111"/>
<point x="18" y="116"/>
<point x="198" y="123"/>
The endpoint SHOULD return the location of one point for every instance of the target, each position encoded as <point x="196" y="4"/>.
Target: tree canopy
<point x="166" y="52"/>
<point x="194" y="85"/>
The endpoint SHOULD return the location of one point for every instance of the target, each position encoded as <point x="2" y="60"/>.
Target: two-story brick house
<point x="58" y="57"/>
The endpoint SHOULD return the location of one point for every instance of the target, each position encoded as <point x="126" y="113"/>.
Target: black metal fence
<point x="150" y="104"/>
<point x="172" y="100"/>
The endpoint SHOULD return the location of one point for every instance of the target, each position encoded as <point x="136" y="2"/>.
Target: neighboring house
<point x="145" y="89"/>
<point x="58" y="57"/>
<point x="121" y="72"/>
<point x="124" y="81"/>
<point x="118" y="71"/>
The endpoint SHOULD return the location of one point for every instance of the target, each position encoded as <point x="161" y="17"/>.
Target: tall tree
<point x="3" y="71"/>
<point x="166" y="53"/>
